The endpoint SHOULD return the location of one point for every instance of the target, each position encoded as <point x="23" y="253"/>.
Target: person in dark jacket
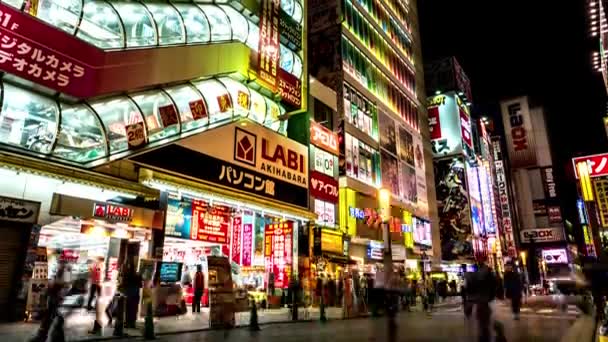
<point x="481" y="290"/>
<point x="130" y="285"/>
<point x="513" y="289"/>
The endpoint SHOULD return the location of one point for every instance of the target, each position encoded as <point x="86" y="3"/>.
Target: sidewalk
<point x="78" y="325"/>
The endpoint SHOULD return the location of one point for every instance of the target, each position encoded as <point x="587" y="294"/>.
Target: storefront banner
<point x="291" y="32"/>
<point x="240" y="156"/>
<point x="112" y="212"/>
<point x="388" y="138"/>
<point x="555" y="214"/>
<point x="552" y="234"/>
<point x="290" y="89"/>
<point x="322" y="137"/>
<point x="601" y="199"/>
<point x="422" y="203"/>
<point x="503" y="197"/>
<point x="331" y="241"/>
<point x="465" y="125"/>
<point x="555" y="256"/>
<point x="210" y="223"/>
<point x="179" y="218"/>
<point x="247" y="243"/>
<point x="598" y="164"/>
<point x="450" y="130"/>
<point x="548" y="182"/>
<point x="422" y="232"/>
<point x="236" y="241"/>
<point x="324" y="161"/>
<point x="323" y="187"/>
<point x="16" y="210"/>
<point x="434" y="123"/>
<point x="278" y="252"/>
<point x="268" y="46"/>
<point x="487" y="198"/>
<point x="390" y="173"/>
<point x="326" y="212"/>
<point x="375" y="250"/>
<point x="406" y="146"/>
<point x="454" y="211"/>
<point x="520" y="137"/>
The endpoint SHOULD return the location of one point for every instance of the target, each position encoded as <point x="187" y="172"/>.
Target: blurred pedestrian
<point x="513" y="289"/>
<point x="199" y="289"/>
<point x="131" y="284"/>
<point x="94" y="283"/>
<point x="481" y="291"/>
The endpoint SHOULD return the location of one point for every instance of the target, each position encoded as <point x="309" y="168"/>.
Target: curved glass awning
<point x="93" y="132"/>
<point x="111" y="25"/>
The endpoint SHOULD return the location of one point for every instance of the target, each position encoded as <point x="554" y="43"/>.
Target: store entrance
<point x="12" y="248"/>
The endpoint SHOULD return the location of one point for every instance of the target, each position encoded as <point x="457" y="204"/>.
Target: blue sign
<point x="582" y="211"/>
<point x="357" y="213"/>
<point x="179" y="218"/>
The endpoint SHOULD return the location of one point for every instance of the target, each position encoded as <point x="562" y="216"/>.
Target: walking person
<point x="482" y="290"/>
<point x="199" y="289"/>
<point x="131" y="284"/>
<point x="430" y="294"/>
<point x="513" y="289"/>
<point x="94" y="283"/>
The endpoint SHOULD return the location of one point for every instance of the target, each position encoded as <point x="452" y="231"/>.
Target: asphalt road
<point x="443" y="325"/>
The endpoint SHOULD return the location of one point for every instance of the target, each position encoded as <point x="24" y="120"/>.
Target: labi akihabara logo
<point x="244" y="146"/>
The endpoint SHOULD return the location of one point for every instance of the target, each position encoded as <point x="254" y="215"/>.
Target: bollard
<point x="149" y="323"/>
<point x="119" y="323"/>
<point x="253" y="318"/>
<point x="322" y="317"/>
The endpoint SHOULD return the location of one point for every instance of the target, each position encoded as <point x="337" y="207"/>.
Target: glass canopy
<point x="125" y="24"/>
<point x="93" y="130"/>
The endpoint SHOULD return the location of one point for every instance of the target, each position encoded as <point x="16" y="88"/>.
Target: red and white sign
<point x="268" y="46"/>
<point x="323" y="187"/>
<point x="247" y="243"/>
<point x="324" y="138"/>
<point x="518" y="125"/>
<point x="555" y="214"/>
<point x="136" y="135"/>
<point x="210" y="223"/>
<point x="237" y="229"/>
<point x="112" y="212"/>
<point x="598" y="164"/>
<point x="434" y="123"/>
<point x="555" y="256"/>
<point x="290" y="89"/>
<point x="465" y="126"/>
<point x="326" y="212"/>
<point x="503" y="195"/>
<point x="278" y="252"/>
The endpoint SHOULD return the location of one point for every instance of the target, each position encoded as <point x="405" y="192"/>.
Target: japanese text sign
<point x="601" y="193"/>
<point x="237" y="230"/>
<point x="247" y="244"/>
<point x="278" y="252"/>
<point x="17" y="210"/>
<point x="324" y="138"/>
<point x="323" y="187"/>
<point x="598" y="164"/>
<point x="549" y="182"/>
<point x="210" y="223"/>
<point x="268" y="46"/>
<point x="290" y="89"/>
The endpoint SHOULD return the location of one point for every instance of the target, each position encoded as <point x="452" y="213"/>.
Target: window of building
<point x="219" y="23"/>
<point x="140" y="29"/>
<point x="61" y="14"/>
<point x="101" y="25"/>
<point x="191" y="106"/>
<point x="196" y="23"/>
<point x="116" y="114"/>
<point x="169" y="23"/>
<point x="159" y="112"/>
<point x="81" y="137"/>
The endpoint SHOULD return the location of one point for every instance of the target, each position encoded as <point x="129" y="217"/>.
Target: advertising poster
<point x="601" y="194"/>
<point x="434" y="123"/>
<point x="210" y="223"/>
<point x="390" y="172"/>
<point x="268" y="46"/>
<point x="236" y="240"/>
<point x="422" y="232"/>
<point x="388" y="139"/>
<point x="487" y="199"/>
<point x="179" y="218"/>
<point x="408" y="183"/>
<point x="450" y="141"/>
<point x="326" y="213"/>
<point x="406" y="146"/>
<point x="247" y="252"/>
<point x="454" y="212"/>
<point x="421" y="190"/>
<point x="278" y="252"/>
<point x="324" y="161"/>
<point x="518" y="129"/>
<point x="258" y="251"/>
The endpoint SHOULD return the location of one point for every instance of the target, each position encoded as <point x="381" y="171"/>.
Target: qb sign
<point x="555" y="256"/>
<point x="553" y="234"/>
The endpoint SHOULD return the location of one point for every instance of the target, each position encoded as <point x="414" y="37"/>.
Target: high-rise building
<point x="368" y="53"/>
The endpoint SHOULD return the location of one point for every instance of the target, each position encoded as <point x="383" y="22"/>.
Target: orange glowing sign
<point x="324" y="138"/>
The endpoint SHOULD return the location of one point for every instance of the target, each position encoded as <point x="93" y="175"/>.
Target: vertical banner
<point x="247" y="240"/>
<point x="278" y="252"/>
<point x="518" y="128"/>
<point x="422" y="203"/>
<point x="268" y="46"/>
<point x="237" y="230"/>
<point x="445" y="126"/>
<point x="503" y="196"/>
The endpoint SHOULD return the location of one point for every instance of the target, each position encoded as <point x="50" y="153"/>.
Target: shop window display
<point x="64" y="15"/>
<point x="140" y="29"/>
<point x="160" y="114"/>
<point x="81" y="137"/>
<point x="186" y="98"/>
<point x="28" y="120"/>
<point x="219" y="23"/>
<point x="171" y="29"/>
<point x="196" y="23"/>
<point x="116" y="114"/>
<point x="101" y="26"/>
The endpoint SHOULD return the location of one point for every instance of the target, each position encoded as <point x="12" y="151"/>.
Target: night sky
<point x="538" y="48"/>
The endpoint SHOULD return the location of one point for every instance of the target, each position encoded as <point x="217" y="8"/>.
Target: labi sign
<point x="242" y="156"/>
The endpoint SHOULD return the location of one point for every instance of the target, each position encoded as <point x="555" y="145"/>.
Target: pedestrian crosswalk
<point x="502" y="308"/>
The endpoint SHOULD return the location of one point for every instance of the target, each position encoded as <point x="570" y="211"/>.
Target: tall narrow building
<point x="368" y="53"/>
